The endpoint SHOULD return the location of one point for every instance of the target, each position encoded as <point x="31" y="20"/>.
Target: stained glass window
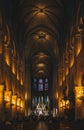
<point x="40" y="85"/>
<point x="46" y="84"/>
<point x="35" y="84"/>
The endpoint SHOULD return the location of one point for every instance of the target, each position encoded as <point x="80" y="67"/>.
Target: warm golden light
<point x="67" y="102"/>
<point x="67" y="70"/>
<point x="13" y="69"/>
<point x="41" y="35"/>
<point x="7" y="60"/>
<point x="78" y="44"/>
<point x="63" y="103"/>
<point x="1" y="87"/>
<point x="56" y="96"/>
<point x="14" y="99"/>
<point x="41" y="71"/>
<point x="79" y="49"/>
<point x="71" y="59"/>
<point x="18" y="102"/>
<point x="1" y="93"/>
<point x="60" y="81"/>
<point x="79" y="78"/>
<point x="26" y="96"/>
<point x="63" y="77"/>
<point x="41" y="55"/>
<point x="41" y="65"/>
<point x="41" y="8"/>
<point x="60" y="104"/>
<point x="79" y="91"/>
<point x="7" y="95"/>
<point x="22" y="104"/>
<point x="7" y="55"/>
<point x="72" y="62"/>
<point x="17" y="75"/>
<point x="21" y="81"/>
<point x="41" y="14"/>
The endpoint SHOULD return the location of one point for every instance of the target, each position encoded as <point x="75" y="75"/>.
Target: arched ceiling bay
<point x="40" y="27"/>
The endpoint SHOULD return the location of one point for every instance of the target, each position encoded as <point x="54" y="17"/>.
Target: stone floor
<point x="43" y="125"/>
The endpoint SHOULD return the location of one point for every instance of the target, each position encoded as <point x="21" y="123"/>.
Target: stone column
<point x="7" y="101"/>
<point x="8" y="79"/>
<point x="19" y="107"/>
<point x="14" y="106"/>
<point x="77" y="74"/>
<point x="77" y="50"/>
<point x="27" y="90"/>
<point x="1" y="57"/>
<point x="7" y="54"/>
<point x="55" y="89"/>
<point x="71" y="62"/>
<point x="2" y="114"/>
<point x="14" y="67"/>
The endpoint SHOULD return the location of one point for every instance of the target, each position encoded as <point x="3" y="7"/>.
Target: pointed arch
<point x="7" y="35"/>
<point x="13" y="49"/>
<point x="79" y="14"/>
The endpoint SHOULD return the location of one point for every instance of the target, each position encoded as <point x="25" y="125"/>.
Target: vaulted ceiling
<point x="41" y="27"/>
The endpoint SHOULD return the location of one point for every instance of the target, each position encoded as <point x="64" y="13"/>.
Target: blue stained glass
<point x="46" y="80"/>
<point x="40" y="81"/>
<point x="35" y="80"/>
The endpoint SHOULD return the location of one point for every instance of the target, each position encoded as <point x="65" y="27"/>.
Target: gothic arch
<point x="79" y="17"/>
<point x="7" y="35"/>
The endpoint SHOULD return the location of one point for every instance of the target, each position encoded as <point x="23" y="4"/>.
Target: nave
<point x="41" y="64"/>
<point x="43" y="125"/>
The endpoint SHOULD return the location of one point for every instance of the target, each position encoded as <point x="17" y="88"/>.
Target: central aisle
<point x="42" y="126"/>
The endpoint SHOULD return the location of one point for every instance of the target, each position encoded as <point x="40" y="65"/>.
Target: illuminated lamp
<point x="18" y="101"/>
<point x="1" y="87"/>
<point x="1" y="93"/>
<point x="14" y="99"/>
<point x="22" y="104"/>
<point x="79" y="90"/>
<point x="7" y="96"/>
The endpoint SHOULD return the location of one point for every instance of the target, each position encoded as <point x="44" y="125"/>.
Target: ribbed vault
<point x="40" y="28"/>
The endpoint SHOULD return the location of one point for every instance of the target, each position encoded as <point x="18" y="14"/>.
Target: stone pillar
<point x="18" y="107"/>
<point x="77" y="50"/>
<point x="55" y="89"/>
<point x="22" y="107"/>
<point x="14" y="75"/>
<point x="1" y="57"/>
<point x="14" y="106"/>
<point x="21" y="76"/>
<point x="71" y="63"/>
<point x="7" y="101"/>
<point x="27" y="90"/>
<point x="7" y="66"/>
<point x="8" y="80"/>
<point x="18" y="68"/>
<point x="2" y="114"/>
<point x="14" y="67"/>
<point x="7" y="54"/>
<point x="77" y="74"/>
